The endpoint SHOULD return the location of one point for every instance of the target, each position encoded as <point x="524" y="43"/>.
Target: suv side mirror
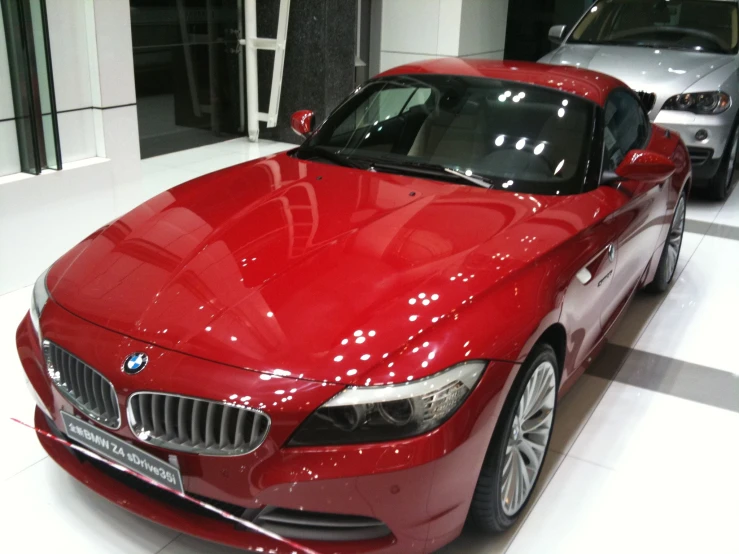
<point x="641" y="165"/>
<point x="557" y="33"/>
<point x="302" y="122"/>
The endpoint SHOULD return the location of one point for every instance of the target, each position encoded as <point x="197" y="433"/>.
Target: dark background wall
<point x="529" y="21"/>
<point x="319" y="59"/>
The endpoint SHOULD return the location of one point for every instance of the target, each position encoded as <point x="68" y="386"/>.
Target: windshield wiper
<point x="436" y="170"/>
<point x="433" y="169"/>
<point x="471" y="177"/>
<point x="635" y="42"/>
<point x="335" y="157"/>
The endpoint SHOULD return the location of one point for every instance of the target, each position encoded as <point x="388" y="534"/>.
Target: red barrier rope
<point x="248" y="524"/>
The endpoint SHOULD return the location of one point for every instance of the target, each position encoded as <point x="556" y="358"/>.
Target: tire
<point x="491" y="510"/>
<point x="720" y="184"/>
<point x="671" y="251"/>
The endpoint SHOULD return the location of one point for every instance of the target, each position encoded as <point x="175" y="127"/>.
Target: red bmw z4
<point x="359" y="344"/>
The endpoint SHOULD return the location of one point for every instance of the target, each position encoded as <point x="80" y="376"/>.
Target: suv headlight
<point x="38" y="301"/>
<point x="385" y="413"/>
<point x="699" y="102"/>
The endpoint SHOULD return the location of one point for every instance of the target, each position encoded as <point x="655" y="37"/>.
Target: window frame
<point x="29" y="61"/>
<point x="645" y="118"/>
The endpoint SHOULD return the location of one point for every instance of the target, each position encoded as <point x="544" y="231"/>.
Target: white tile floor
<point x="630" y="469"/>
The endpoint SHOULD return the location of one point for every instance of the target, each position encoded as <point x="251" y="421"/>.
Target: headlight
<point x="699" y="102"/>
<point x="385" y="413"/>
<point x="38" y="301"/>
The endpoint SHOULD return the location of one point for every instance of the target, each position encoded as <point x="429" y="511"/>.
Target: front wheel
<point x="671" y="251"/>
<point x="519" y="445"/>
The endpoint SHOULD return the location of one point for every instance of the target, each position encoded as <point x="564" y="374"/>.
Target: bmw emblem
<point x="135" y="362"/>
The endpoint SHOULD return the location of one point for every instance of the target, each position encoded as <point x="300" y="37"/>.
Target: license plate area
<point x="113" y="448"/>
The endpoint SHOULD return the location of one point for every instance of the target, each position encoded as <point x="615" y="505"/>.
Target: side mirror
<point x="302" y="122"/>
<point x="557" y="33"/>
<point x="642" y="165"/>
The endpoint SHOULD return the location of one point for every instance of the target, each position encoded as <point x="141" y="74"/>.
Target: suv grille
<point x="89" y="392"/>
<point x="195" y="425"/>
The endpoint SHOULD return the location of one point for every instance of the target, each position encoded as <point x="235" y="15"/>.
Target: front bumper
<point x="705" y="155"/>
<point x="419" y="488"/>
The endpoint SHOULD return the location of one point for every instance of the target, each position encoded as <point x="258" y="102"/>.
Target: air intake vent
<point x="89" y="392"/>
<point x="699" y="156"/>
<point x="298" y="524"/>
<point x="647" y="99"/>
<point x="195" y="425"/>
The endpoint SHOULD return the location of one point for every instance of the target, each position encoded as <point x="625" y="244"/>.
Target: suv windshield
<point x="470" y="130"/>
<point x="700" y="25"/>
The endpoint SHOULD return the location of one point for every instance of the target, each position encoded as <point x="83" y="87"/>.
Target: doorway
<point x="189" y="72"/>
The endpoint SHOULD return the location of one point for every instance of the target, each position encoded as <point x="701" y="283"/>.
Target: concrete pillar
<point x="413" y="30"/>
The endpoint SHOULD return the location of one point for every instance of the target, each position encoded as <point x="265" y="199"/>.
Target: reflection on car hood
<point x="283" y="263"/>
<point x="662" y="71"/>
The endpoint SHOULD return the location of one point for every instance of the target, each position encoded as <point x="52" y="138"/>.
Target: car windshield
<point x="471" y="130"/>
<point x="699" y="25"/>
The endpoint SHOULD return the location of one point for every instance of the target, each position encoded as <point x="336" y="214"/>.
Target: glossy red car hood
<point x="304" y="267"/>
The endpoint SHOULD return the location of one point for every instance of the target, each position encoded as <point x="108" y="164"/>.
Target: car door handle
<point x="586" y="274"/>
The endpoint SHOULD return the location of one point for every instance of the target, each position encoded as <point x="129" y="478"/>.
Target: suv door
<point x="639" y="220"/>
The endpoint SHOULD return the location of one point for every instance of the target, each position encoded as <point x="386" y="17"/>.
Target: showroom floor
<point x="643" y="455"/>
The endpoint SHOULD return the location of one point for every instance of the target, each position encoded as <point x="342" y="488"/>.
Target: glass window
<point x="518" y="136"/>
<point x="389" y="104"/>
<point x="32" y="84"/>
<point x="702" y="25"/>
<point x="626" y="127"/>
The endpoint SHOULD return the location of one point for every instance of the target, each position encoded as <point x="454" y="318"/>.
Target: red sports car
<point x="359" y="344"/>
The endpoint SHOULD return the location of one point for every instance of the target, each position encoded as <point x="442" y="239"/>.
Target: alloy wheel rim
<point x="528" y="438"/>
<point x="675" y="238"/>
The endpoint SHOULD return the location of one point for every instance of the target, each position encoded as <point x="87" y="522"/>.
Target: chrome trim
<point x="584" y="276"/>
<point x="63" y="389"/>
<point x="145" y="435"/>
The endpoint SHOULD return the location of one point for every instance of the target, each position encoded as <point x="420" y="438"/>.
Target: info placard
<point x="122" y="452"/>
